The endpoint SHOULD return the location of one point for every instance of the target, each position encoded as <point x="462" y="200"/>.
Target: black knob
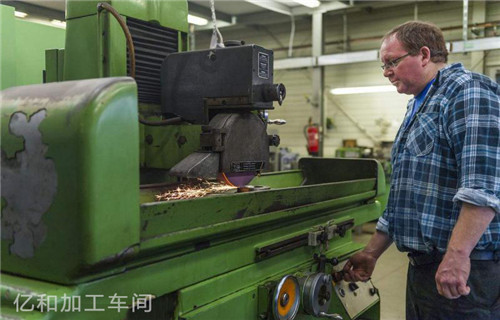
<point x="334" y="261"/>
<point x="341" y="292"/>
<point x="274" y="140"/>
<point x="274" y="92"/>
<point x="353" y="286"/>
<point x="281" y="93"/>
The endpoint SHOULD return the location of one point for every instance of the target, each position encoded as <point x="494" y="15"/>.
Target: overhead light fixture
<point x="20" y="14"/>
<point x="309" y="3"/>
<point x="197" y="20"/>
<point x="357" y="90"/>
<point x="58" y="23"/>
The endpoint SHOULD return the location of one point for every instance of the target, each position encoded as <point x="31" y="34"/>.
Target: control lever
<point x="323" y="260"/>
<point x="334" y="316"/>
<point x="338" y="276"/>
<point x="278" y="122"/>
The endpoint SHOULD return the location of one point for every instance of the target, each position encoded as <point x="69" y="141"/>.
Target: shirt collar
<point x="444" y="72"/>
<point x="448" y="70"/>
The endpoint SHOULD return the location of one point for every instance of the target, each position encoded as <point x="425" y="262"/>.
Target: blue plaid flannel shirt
<point x="448" y="153"/>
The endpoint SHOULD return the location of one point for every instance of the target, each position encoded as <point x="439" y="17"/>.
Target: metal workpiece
<point x="251" y="188"/>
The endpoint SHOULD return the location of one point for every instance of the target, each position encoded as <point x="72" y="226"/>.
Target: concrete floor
<point x="389" y="277"/>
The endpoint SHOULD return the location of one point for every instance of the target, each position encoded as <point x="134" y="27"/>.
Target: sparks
<point x="198" y="190"/>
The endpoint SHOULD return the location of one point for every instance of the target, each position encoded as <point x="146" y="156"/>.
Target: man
<point x="444" y="202"/>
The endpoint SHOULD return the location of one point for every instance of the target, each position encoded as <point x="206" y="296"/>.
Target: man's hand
<point x="359" y="267"/>
<point x="452" y="275"/>
<point x="454" y="270"/>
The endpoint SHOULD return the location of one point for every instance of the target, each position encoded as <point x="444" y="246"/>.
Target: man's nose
<point x="387" y="72"/>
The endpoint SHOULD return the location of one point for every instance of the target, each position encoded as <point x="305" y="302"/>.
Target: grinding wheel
<point x="245" y="146"/>
<point x="236" y="179"/>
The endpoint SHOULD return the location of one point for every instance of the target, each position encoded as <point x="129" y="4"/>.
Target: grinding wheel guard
<point x="234" y="149"/>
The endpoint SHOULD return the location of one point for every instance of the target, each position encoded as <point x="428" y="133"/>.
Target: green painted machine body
<point x="57" y="145"/>
<point x="97" y="42"/>
<point x="79" y="214"/>
<point x="23" y="43"/>
<point x="201" y="254"/>
<point x="96" y="47"/>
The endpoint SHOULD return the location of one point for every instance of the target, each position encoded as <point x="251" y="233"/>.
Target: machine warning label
<point x="263" y="65"/>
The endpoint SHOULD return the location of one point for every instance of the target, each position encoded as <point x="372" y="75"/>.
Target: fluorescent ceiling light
<point x="356" y="90"/>
<point x="20" y="14"/>
<point x="197" y="20"/>
<point x="58" y="23"/>
<point x="309" y="3"/>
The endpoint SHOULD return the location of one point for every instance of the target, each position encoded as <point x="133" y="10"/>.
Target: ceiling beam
<point x="205" y="12"/>
<point x="272" y="5"/>
<point x="325" y="7"/>
<point x="297" y="11"/>
<point x="266" y="17"/>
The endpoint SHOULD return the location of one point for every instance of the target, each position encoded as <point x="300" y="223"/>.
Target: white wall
<point x="364" y="29"/>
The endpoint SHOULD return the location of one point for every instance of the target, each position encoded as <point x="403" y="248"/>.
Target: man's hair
<point x="413" y="35"/>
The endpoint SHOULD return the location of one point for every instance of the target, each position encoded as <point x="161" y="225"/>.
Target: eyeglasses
<point x="394" y="62"/>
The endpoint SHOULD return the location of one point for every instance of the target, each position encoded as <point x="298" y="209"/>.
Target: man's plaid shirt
<point x="448" y="153"/>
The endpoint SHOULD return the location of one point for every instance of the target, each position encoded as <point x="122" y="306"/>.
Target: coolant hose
<point x="130" y="44"/>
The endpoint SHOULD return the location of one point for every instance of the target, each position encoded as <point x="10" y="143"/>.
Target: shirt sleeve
<point x="473" y="127"/>
<point x="382" y="225"/>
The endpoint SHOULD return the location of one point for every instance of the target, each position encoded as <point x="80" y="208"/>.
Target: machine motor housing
<point x="197" y="85"/>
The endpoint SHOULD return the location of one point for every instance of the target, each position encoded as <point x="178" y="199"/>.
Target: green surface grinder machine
<point x="126" y="114"/>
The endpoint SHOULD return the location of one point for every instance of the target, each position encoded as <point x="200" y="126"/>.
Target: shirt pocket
<point x="423" y="133"/>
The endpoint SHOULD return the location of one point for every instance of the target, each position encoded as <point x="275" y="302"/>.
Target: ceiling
<point x="230" y="7"/>
<point x="227" y="7"/>
<point x="228" y="12"/>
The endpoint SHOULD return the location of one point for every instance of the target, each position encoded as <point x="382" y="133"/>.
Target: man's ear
<point x="426" y="55"/>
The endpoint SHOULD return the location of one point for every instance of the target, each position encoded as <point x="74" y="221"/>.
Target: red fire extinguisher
<point x="311" y="132"/>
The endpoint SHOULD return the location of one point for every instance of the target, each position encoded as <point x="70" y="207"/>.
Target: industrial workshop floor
<point x="389" y="277"/>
